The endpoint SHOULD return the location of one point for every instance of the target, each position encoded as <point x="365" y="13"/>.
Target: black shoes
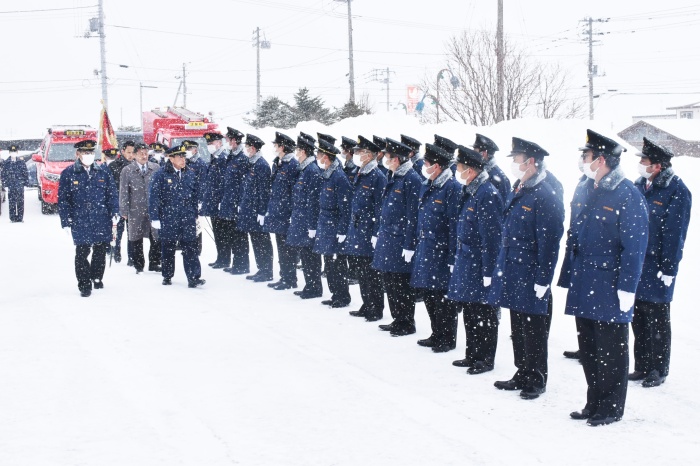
<point x="138" y="271"/>
<point x="339" y="304"/>
<point x="195" y="283"/>
<point x="155" y="268"/>
<point x="402" y="331"/>
<point x="530" y="393"/>
<point x="218" y="265"/>
<point x="373" y="318"/>
<point x="98" y="285"/>
<point x="251" y="277"/>
<point x="637" y="375"/>
<point x="212" y="264"/>
<point x="654" y="379"/>
<point x="117" y="257"/>
<point x="327" y="302"/>
<point x="479" y="367"/>
<point x="259" y="278"/>
<point x="510" y="385"/>
<point x="281" y="285"/>
<point x="167" y="281"/>
<point x="572" y="354"/>
<point x="428" y="342"/>
<point x="443" y="347"/>
<point x="309" y="294"/>
<point x="357" y="313"/>
<point x="85" y="293"/>
<point x="600" y="420"/>
<point x="386" y="327"/>
<point x="466" y="362"/>
<point x="581" y="415"/>
<point x="130" y="263"/>
<point x="298" y="293"/>
<point x="235" y="271"/>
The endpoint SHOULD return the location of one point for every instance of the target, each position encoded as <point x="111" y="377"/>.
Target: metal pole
<point x="103" y="53"/>
<point x="437" y="86"/>
<point x="184" y="86"/>
<point x="387" y="89"/>
<point x="590" y="68"/>
<point x="499" y="64"/>
<point x="257" y="47"/>
<point x="352" y="67"/>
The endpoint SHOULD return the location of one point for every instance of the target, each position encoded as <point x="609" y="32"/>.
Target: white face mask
<point x="357" y="159"/>
<point x="516" y="171"/>
<point x="425" y="172"/>
<point x="461" y="180"/>
<point x="386" y="161"/>
<point x="211" y="148"/>
<point x="580" y="164"/>
<point x="189" y="154"/>
<point x="157" y="156"/>
<point x="642" y="169"/>
<point x="88" y="158"/>
<point x="588" y="172"/>
<point x="320" y="165"/>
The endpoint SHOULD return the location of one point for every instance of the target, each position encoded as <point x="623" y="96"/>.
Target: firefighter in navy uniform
<point x="199" y="168"/>
<point x="285" y="171"/>
<point x="381" y="155"/>
<point x="88" y="204"/>
<point x="478" y="244"/>
<point x="255" y="197"/>
<point x="396" y="239"/>
<point x="333" y="221"/>
<point x="438" y="213"/>
<point x="669" y="202"/>
<point x="14" y="179"/>
<point x="234" y="166"/>
<point x="364" y="227"/>
<point x="157" y="154"/>
<point x="211" y="196"/>
<point x="533" y="225"/>
<point x="172" y="208"/>
<point x="416" y="157"/>
<point x="608" y="238"/>
<point x="304" y="219"/>
<point x="450" y="147"/>
<point x="487" y="148"/>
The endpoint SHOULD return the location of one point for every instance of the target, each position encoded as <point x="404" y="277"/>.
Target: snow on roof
<point x="693" y="105"/>
<point x="686" y="129"/>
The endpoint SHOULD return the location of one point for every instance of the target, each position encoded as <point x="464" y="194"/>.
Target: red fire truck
<point x="176" y="124"/>
<point x="55" y="153"/>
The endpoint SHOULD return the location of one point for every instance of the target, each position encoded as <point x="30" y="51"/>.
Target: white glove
<point x="261" y="219"/>
<point x="67" y="231"/>
<point x="452" y="267"/>
<point x="198" y="227"/>
<point x="115" y="219"/>
<point x="626" y="300"/>
<point x="540" y="290"/>
<point x="341" y="238"/>
<point x="487" y="282"/>
<point x="155" y="224"/>
<point x="667" y="279"/>
<point x="239" y="208"/>
<point x="312" y="234"/>
<point x="407" y="255"/>
<point x="374" y="242"/>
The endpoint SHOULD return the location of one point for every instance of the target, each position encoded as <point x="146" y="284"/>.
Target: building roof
<point x="693" y="105"/>
<point x="686" y="129"/>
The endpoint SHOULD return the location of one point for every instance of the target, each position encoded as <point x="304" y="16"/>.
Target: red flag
<point x="107" y="138"/>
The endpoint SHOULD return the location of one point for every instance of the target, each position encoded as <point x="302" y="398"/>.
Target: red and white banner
<point x="107" y="138"/>
<point x="413" y="96"/>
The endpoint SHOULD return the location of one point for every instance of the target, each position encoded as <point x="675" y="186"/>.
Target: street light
<point x="454" y="80"/>
<point x="141" y="86"/>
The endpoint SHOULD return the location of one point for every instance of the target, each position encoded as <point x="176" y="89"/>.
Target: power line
<point x="47" y="10"/>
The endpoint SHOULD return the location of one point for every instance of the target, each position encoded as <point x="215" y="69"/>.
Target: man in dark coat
<point x="478" y="243"/>
<point x="255" y="197"/>
<point x="487" y="148"/>
<point x="533" y="225"/>
<point x="124" y="159"/>
<point x="285" y="171"/>
<point x="381" y="155"/>
<point x="416" y="157"/>
<point x="333" y="221"/>
<point x="609" y="239"/>
<point x="14" y="178"/>
<point x="669" y="202"/>
<point x="396" y="239"/>
<point x="211" y="195"/>
<point x="368" y="188"/>
<point x="234" y="242"/>
<point x="172" y="207"/>
<point x="438" y="211"/>
<point x="304" y="219"/>
<point x="133" y="206"/>
<point x="88" y="205"/>
<point x="157" y="153"/>
<point x="199" y="167"/>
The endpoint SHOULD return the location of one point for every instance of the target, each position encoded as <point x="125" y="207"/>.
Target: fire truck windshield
<point x="61" y="153"/>
<point x="201" y="143"/>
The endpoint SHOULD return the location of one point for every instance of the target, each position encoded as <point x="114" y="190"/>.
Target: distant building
<point x="682" y="136"/>
<point x="684" y="112"/>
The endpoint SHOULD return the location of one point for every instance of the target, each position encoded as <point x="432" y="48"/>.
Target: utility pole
<point x="383" y="76"/>
<point x="103" y="52"/>
<point x="499" y="64"/>
<point x="184" y="85"/>
<point x="258" y="44"/>
<point x="351" y="74"/>
<point x="592" y="69"/>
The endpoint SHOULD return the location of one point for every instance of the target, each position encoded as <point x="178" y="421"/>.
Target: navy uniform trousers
<point x="87" y="271"/>
<point x="443" y="317"/>
<point x="651" y="326"/>
<point x="234" y="244"/>
<point x="311" y="266"/>
<point x="287" y="259"/>
<point x="402" y="300"/>
<point x="337" y="276"/>
<point x="15" y="204"/>
<point x="190" y="259"/>
<point x="530" y="334"/>
<point x="481" y="329"/>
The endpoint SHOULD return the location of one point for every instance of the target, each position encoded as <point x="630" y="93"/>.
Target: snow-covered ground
<point x="236" y="373"/>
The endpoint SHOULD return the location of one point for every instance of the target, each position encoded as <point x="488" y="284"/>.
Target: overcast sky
<point x="648" y="49"/>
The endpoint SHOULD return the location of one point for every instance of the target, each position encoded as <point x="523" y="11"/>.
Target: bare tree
<point x="472" y="60"/>
<point x="552" y="95"/>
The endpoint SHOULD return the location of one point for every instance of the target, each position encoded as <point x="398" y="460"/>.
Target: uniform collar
<point x="612" y="180"/>
<point x="329" y="171"/>
<point x="404" y="168"/>
<point x="662" y="180"/>
<point x="368" y="168"/>
<point x="441" y="179"/>
<point x="307" y="161"/>
<point x="255" y="158"/>
<point x="476" y="183"/>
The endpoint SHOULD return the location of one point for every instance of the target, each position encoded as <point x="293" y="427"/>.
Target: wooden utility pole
<point x="499" y="64"/>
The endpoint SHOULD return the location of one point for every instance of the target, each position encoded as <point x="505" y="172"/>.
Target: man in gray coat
<point x="133" y="206"/>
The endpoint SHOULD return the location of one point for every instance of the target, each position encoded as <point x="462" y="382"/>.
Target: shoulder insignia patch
<point x="526" y="208"/>
<point x="609" y="209"/>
